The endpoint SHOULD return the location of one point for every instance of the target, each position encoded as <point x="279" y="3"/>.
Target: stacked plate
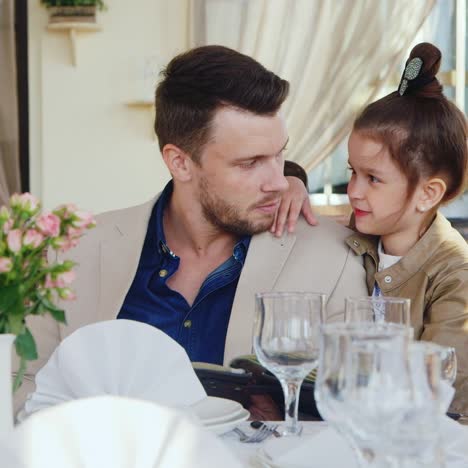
<point x="219" y="415"/>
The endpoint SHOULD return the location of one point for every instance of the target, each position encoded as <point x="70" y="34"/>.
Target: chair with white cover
<point x="113" y="432"/>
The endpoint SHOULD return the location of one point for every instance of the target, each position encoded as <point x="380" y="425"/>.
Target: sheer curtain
<point x="9" y="146"/>
<point x="336" y="55"/>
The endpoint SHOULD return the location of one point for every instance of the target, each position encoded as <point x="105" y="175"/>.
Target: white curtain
<point x="9" y="154"/>
<point x="337" y="54"/>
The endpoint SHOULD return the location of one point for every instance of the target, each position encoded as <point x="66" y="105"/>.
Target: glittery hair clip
<point x="411" y="72"/>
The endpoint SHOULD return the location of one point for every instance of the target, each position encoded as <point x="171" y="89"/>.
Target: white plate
<point x="214" y="410"/>
<point x="226" y="426"/>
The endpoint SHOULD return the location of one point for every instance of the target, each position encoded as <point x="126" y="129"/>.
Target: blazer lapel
<point x="265" y="259"/>
<point x="119" y="257"/>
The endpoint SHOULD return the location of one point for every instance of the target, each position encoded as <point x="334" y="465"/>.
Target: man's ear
<point x="178" y="162"/>
<point x="432" y="192"/>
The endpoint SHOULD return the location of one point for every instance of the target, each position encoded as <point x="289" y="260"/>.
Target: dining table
<point x="247" y="453"/>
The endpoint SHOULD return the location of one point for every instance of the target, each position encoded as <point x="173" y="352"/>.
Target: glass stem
<point x="291" y="389"/>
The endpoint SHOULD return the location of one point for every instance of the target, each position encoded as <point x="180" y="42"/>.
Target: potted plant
<point x="29" y="284"/>
<point x="73" y="10"/>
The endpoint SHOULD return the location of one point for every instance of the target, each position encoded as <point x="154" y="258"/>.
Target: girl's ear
<point x="432" y="192"/>
<point x="178" y="162"/>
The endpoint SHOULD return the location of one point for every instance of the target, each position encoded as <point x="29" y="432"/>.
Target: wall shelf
<point x="73" y="28"/>
<point x="145" y="103"/>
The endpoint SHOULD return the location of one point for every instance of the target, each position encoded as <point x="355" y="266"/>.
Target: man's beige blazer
<point x="314" y="259"/>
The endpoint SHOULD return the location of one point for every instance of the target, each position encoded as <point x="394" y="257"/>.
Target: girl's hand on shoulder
<point x="293" y="202"/>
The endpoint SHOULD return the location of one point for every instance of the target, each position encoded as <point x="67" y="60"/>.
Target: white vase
<point x="6" y="406"/>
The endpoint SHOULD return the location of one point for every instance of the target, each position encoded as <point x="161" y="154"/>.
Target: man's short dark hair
<point x="198" y="82"/>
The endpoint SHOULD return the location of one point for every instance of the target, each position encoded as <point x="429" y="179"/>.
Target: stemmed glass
<point x="286" y="342"/>
<point x="378" y="309"/>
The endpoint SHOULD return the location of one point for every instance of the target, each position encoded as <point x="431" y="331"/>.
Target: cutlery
<point x="257" y="437"/>
<point x="260" y="424"/>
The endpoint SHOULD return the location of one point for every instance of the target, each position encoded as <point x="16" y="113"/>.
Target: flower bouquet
<point x="29" y="283"/>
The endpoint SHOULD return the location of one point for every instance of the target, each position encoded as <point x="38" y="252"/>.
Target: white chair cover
<point x="113" y="432"/>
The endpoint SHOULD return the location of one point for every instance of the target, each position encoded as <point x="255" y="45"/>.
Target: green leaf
<point x="15" y="324"/>
<point x="19" y="376"/>
<point x="26" y="346"/>
<point x="58" y="314"/>
<point x="10" y="299"/>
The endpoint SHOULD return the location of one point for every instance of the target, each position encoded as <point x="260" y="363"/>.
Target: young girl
<point x="408" y="155"/>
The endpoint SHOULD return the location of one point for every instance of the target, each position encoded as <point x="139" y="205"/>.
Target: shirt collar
<point x="158" y="219"/>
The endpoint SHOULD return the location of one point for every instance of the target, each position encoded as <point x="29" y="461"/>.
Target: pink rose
<point x="69" y="209"/>
<point x="74" y="233"/>
<point x="65" y="279"/>
<point x="14" y="240"/>
<point x="7" y="226"/>
<point x="24" y="201"/>
<point x="5" y="265"/>
<point x="66" y="294"/>
<point x="83" y="219"/>
<point x="49" y="282"/>
<point x="64" y="243"/>
<point x="33" y="238"/>
<point x="49" y="224"/>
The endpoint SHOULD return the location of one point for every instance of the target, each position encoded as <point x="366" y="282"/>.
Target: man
<point x="190" y="261"/>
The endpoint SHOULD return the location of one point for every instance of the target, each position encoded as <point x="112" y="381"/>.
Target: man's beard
<point x="226" y="217"/>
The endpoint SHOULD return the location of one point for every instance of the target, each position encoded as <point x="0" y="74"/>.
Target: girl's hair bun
<point x="425" y="84"/>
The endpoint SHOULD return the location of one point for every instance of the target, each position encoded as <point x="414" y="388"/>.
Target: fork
<point x="259" y="436"/>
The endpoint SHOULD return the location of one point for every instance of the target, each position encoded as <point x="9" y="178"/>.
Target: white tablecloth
<point x="247" y="452"/>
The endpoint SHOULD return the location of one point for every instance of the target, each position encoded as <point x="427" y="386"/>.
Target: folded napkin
<point x="328" y="449"/>
<point x="116" y="357"/>
<point x="113" y="432"/>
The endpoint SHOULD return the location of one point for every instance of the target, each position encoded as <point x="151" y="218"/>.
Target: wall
<point x="87" y="145"/>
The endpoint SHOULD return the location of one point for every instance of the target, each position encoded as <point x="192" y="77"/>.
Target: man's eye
<point x="249" y="163"/>
<point x="373" y="179"/>
<point x="351" y="169"/>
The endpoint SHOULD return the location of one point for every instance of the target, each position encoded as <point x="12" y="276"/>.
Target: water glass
<point x="393" y="401"/>
<point x="286" y="342"/>
<point x="334" y="384"/>
<point x="448" y="358"/>
<point x="378" y="309"/>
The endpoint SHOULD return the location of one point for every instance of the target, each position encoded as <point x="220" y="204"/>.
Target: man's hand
<point x="294" y="202"/>
<point x="263" y="408"/>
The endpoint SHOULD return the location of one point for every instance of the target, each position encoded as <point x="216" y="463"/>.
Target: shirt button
<point x="388" y="279"/>
<point x="187" y="323"/>
<point x="356" y="243"/>
<point x="162" y="273"/>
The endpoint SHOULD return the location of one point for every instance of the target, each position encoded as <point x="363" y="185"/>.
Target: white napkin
<point x="325" y="449"/>
<point x="328" y="449"/>
<point x="117" y="357"/>
<point x="113" y="432"/>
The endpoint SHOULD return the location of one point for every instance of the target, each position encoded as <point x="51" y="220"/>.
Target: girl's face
<point x="378" y="189"/>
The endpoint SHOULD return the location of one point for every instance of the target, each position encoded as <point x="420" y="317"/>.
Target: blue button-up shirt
<point x="200" y="328"/>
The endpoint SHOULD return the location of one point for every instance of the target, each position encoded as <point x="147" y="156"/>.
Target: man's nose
<point x="275" y="180"/>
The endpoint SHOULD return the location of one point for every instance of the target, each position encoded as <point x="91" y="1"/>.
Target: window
<point x="446" y="28"/>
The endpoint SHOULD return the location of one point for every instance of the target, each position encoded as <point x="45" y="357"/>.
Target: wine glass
<point x="286" y="342"/>
<point x="378" y="309"/>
